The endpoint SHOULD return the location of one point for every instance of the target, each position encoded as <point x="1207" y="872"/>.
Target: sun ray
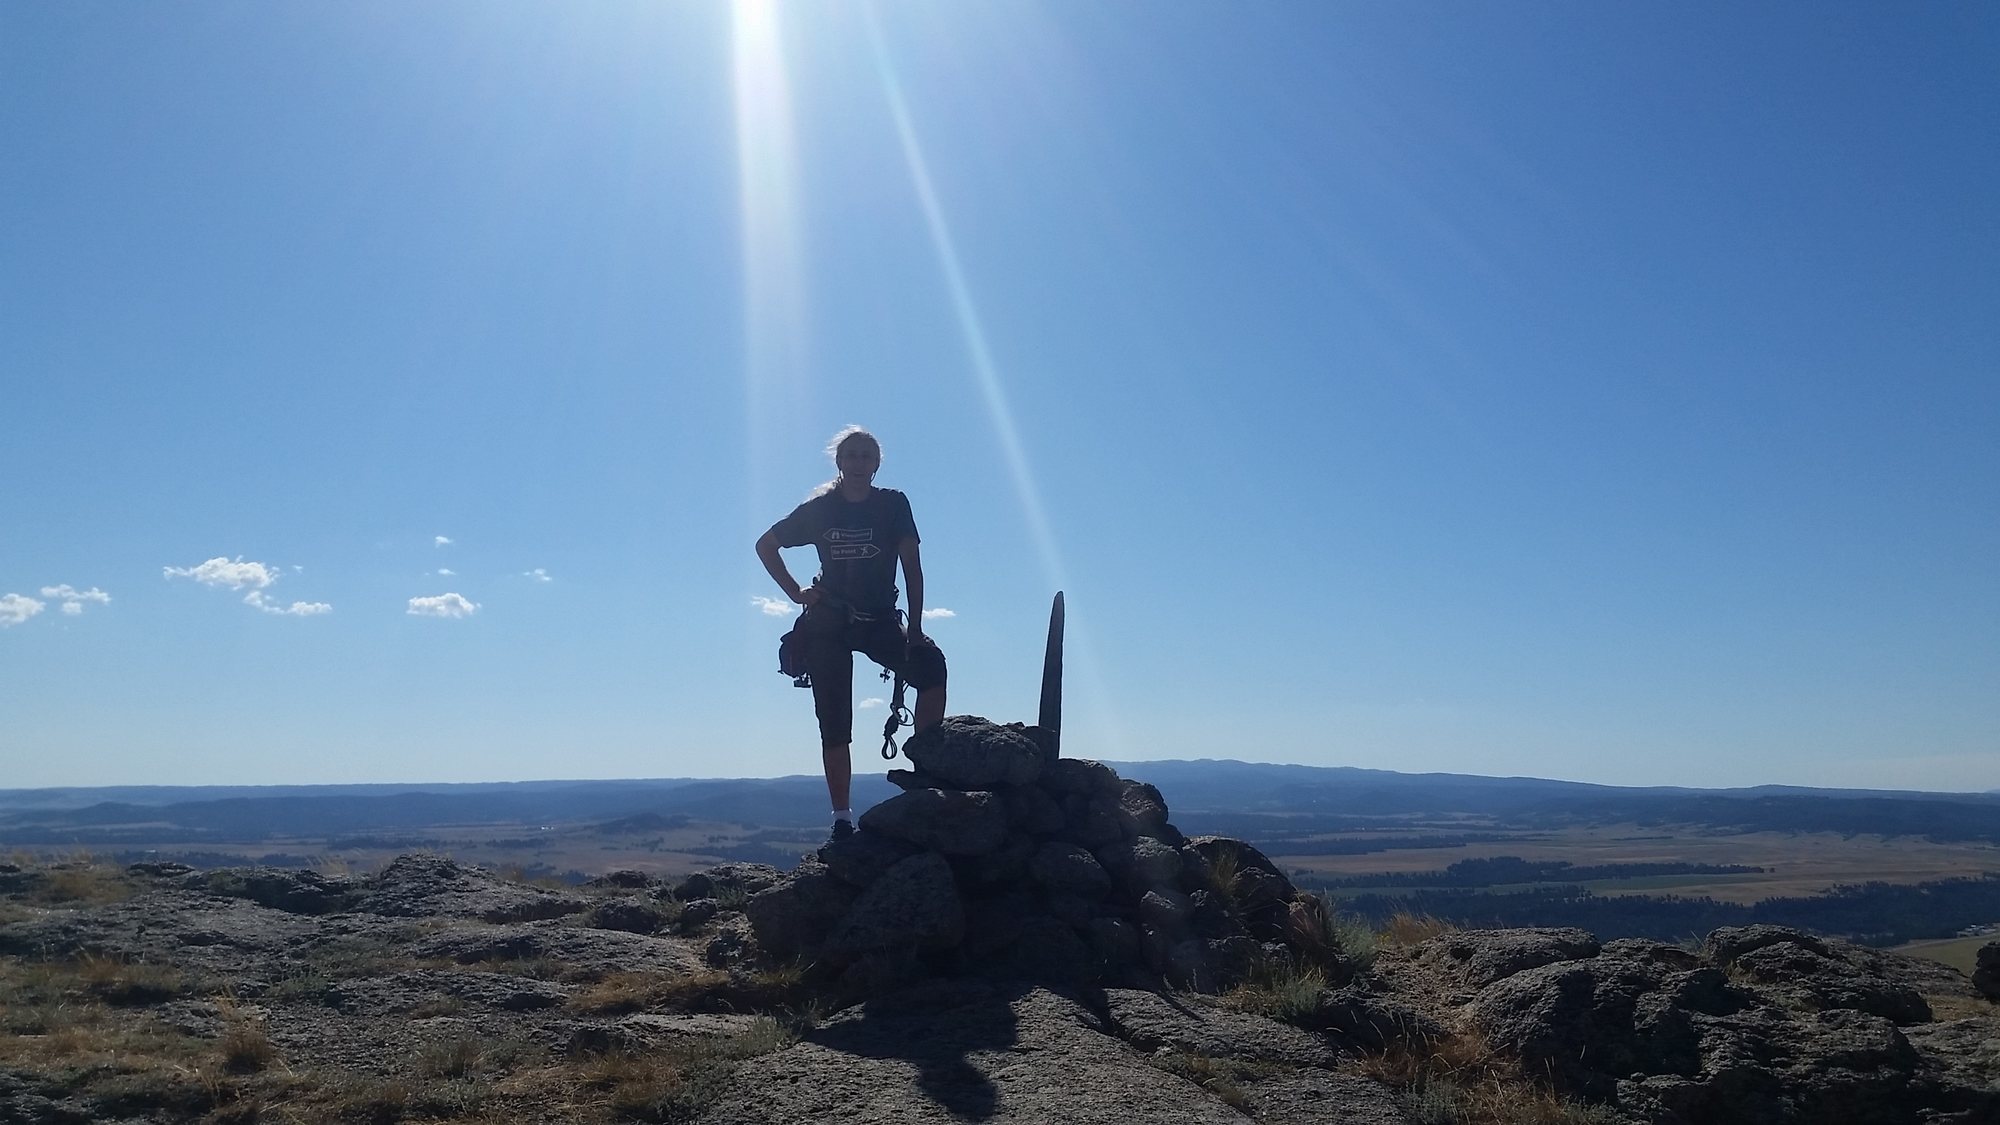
<point x="774" y="320"/>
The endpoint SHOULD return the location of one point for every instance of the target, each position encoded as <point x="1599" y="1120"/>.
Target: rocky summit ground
<point x="431" y="991"/>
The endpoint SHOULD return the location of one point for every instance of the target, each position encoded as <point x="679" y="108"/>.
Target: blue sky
<point x="1594" y="391"/>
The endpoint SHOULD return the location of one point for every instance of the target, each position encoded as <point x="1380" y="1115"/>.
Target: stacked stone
<point x="1001" y="859"/>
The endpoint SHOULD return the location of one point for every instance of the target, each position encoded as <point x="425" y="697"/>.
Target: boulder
<point x="942" y="820"/>
<point x="1140" y="810"/>
<point x="1080" y="776"/>
<point x="1477" y="958"/>
<point x="914" y="904"/>
<point x="1725" y="945"/>
<point x="1031" y="811"/>
<point x="968" y="752"/>
<point x="1573" y="1019"/>
<point x="294" y="892"/>
<point x="628" y="915"/>
<point x="1986" y="971"/>
<point x="864" y="857"/>
<point x="1141" y="864"/>
<point x="1804" y="974"/>
<point x="737" y="880"/>
<point x="1065" y="869"/>
<point x="793" y="915"/>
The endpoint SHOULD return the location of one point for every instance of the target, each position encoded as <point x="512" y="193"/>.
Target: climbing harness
<point x="792" y="662"/>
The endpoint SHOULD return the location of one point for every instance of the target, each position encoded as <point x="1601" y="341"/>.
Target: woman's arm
<point x="767" y="553"/>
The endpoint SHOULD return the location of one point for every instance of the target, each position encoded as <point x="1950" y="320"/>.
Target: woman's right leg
<point x="831" y="665"/>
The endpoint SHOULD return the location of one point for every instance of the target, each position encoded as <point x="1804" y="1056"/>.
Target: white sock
<point x="844" y="814"/>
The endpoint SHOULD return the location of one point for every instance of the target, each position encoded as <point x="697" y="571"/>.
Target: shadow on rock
<point x="937" y="1029"/>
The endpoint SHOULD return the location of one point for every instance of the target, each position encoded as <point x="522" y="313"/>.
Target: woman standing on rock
<point x="861" y="533"/>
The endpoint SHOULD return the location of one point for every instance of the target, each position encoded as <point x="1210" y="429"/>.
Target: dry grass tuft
<point x="1279" y="990"/>
<point x="82" y="880"/>
<point x="679" y="1080"/>
<point x="437" y="1004"/>
<point x="1225" y="873"/>
<point x="708" y="990"/>
<point x="245" y="1047"/>
<point x="1406" y="929"/>
<point x="1220" y="1077"/>
<point x="127" y="983"/>
<point x="450" y="1058"/>
<point x="1326" y="938"/>
<point x="1955" y="1006"/>
<point x="1462" y="1080"/>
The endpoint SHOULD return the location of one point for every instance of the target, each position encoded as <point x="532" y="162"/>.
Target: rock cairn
<point x="1001" y="859"/>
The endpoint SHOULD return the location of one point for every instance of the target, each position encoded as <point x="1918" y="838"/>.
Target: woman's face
<point x="858" y="460"/>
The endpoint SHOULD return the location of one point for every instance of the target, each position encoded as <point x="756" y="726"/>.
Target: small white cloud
<point x="254" y="577"/>
<point x="442" y="605"/>
<point x="872" y="702"/>
<point x="934" y="614"/>
<point x="447" y="572"/>
<point x="296" y="609"/>
<point x="538" y="574"/>
<point x="16" y="608"/>
<point x="72" y="598"/>
<point x="219" y="571"/>
<point x="772" y="607"/>
<point x="442" y="541"/>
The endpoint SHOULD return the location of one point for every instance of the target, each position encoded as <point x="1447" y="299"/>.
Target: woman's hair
<point x="840" y="440"/>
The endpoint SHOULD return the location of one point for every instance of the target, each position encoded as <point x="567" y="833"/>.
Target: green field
<point x="1959" y="953"/>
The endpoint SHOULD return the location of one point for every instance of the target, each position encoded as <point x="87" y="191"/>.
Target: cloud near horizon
<point x="538" y="574"/>
<point x="772" y="607"/>
<point x="442" y="541"/>
<point x="934" y="614"/>
<point x="443" y="605"/>
<point x="871" y="703"/>
<point x="16" y="608"/>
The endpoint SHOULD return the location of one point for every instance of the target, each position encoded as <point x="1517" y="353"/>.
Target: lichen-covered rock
<point x="968" y="752"/>
<point x="1805" y="975"/>
<point x="1065" y="869"/>
<point x="1141" y="811"/>
<point x="914" y="904"/>
<point x="294" y="892"/>
<point x="864" y="857"/>
<point x="1140" y="865"/>
<point x="1479" y="957"/>
<point x="1032" y="811"/>
<point x="736" y="880"/>
<point x="1573" y="1019"/>
<point x="1150" y="1022"/>
<point x="942" y="820"/>
<point x="1080" y="776"/>
<point x="419" y="885"/>
<point x="799" y="911"/>
<point x="1725" y="945"/>
<point x="628" y="915"/>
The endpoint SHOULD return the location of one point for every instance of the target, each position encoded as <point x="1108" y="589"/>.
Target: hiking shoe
<point x="842" y="829"/>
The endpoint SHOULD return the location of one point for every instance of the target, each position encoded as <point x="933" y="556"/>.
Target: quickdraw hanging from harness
<point x="898" y="715"/>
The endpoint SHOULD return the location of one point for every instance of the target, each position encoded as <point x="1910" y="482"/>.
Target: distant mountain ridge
<point x="1197" y="790"/>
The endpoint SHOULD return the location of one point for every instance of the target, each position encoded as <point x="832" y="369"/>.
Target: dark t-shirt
<point x="857" y="543"/>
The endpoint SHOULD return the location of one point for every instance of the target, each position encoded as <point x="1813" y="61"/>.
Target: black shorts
<point x="829" y="660"/>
